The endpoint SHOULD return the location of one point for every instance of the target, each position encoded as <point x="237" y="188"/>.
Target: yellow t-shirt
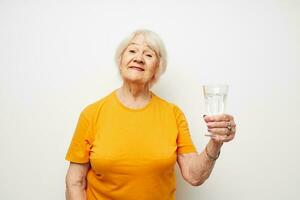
<point x="132" y="152"/>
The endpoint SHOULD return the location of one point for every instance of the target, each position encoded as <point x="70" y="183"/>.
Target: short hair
<point x="155" y="42"/>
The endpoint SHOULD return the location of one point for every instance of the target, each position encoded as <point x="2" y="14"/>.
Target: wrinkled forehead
<point x="146" y="41"/>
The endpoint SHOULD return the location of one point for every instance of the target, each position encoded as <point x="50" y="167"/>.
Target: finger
<point x="222" y="124"/>
<point x="229" y="138"/>
<point x="218" y="118"/>
<point x="233" y="126"/>
<point x="219" y="131"/>
<point x="233" y="130"/>
<point x="232" y="123"/>
<point x="218" y="138"/>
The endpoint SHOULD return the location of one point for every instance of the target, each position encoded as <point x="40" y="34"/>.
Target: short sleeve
<point x="81" y="143"/>
<point x="184" y="140"/>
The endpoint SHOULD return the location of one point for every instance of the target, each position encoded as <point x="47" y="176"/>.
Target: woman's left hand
<point x="222" y="127"/>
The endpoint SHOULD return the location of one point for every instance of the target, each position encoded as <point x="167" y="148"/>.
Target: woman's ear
<point x="153" y="77"/>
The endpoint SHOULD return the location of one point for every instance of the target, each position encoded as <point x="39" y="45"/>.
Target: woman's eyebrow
<point x="132" y="43"/>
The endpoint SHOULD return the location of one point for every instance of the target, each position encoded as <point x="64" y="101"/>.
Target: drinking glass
<point x="215" y="98"/>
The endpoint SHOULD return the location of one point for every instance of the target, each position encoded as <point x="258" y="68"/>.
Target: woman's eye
<point x="132" y="51"/>
<point x="149" y="55"/>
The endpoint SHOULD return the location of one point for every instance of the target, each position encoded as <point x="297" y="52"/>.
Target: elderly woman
<point x="126" y="144"/>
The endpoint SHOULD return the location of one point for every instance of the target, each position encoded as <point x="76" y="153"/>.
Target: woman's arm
<point x="76" y="181"/>
<point x="196" y="168"/>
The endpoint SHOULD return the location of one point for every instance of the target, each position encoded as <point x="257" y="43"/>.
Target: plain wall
<point x="56" y="57"/>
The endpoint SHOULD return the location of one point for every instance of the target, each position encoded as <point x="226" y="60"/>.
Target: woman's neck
<point x="135" y="92"/>
<point x="133" y="95"/>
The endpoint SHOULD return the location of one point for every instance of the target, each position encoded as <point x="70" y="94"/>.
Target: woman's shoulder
<point x="164" y="102"/>
<point x="172" y="108"/>
<point x="94" y="107"/>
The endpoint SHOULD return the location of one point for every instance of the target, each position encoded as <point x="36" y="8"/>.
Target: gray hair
<point x="154" y="41"/>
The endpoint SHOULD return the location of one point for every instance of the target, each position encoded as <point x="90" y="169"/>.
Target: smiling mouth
<point x="136" y="68"/>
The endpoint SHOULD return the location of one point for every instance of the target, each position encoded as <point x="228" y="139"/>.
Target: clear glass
<point x="215" y="98"/>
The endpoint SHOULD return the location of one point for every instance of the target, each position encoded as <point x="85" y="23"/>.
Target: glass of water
<point x="215" y="98"/>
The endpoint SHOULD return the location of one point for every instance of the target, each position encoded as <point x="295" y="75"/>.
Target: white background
<point x="56" y="57"/>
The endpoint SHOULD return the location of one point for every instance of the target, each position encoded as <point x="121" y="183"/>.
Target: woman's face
<point x="139" y="62"/>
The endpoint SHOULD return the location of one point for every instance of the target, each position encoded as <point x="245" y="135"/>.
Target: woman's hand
<point x="222" y="127"/>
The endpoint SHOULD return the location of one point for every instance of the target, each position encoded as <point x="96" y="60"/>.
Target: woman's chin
<point x="136" y="80"/>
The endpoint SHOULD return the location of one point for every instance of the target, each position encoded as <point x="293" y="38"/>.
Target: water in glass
<point x="215" y="98"/>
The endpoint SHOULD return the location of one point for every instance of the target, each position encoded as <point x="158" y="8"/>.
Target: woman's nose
<point x="139" y="59"/>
